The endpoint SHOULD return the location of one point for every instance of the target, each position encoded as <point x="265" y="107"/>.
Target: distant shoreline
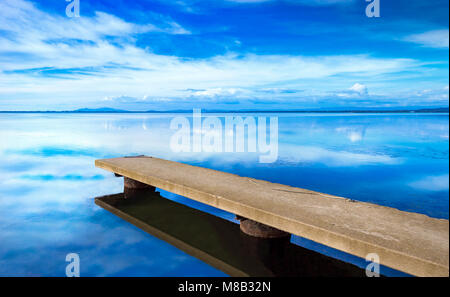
<point x="107" y="110"/>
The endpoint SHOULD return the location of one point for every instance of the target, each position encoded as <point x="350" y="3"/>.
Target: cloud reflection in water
<point x="49" y="180"/>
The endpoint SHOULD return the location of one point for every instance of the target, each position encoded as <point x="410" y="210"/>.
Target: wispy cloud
<point x="24" y="19"/>
<point x="48" y="60"/>
<point x="434" y="39"/>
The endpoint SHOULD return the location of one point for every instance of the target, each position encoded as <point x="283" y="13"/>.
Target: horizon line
<point x="112" y="110"/>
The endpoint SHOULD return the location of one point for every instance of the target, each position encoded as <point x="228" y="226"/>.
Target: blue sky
<point x="223" y="54"/>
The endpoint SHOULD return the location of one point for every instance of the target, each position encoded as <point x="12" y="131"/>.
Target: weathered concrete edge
<point x="388" y="257"/>
<point x="205" y="257"/>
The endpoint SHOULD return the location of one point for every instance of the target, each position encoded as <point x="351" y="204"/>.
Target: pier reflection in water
<point x="219" y="242"/>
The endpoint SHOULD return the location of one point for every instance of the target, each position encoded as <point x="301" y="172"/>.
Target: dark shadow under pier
<point x="219" y="242"/>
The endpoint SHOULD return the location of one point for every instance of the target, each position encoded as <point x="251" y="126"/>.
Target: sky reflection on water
<point x="49" y="181"/>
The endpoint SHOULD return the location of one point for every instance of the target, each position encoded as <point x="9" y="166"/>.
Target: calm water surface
<point x="49" y="181"/>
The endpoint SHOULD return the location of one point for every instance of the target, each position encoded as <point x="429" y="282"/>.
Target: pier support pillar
<point x="132" y="188"/>
<point x="260" y="230"/>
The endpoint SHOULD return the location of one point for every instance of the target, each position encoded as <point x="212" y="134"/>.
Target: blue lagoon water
<point x="48" y="181"/>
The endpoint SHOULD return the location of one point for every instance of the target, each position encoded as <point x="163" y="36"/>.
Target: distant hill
<point x="99" y="110"/>
<point x="444" y="109"/>
<point x="113" y="110"/>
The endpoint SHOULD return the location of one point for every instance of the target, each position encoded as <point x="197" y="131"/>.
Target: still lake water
<point x="48" y="182"/>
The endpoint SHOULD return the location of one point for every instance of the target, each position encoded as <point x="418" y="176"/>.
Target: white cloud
<point x="216" y="92"/>
<point x="84" y="60"/>
<point x="359" y="88"/>
<point x="434" y="39"/>
<point x="433" y="94"/>
<point x="24" y="20"/>
<point x="139" y="73"/>
<point x="355" y="91"/>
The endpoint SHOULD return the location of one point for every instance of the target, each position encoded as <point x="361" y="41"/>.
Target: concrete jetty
<point x="409" y="242"/>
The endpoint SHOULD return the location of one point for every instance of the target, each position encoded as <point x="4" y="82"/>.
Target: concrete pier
<point x="132" y="188"/>
<point x="256" y="229"/>
<point x="409" y="242"/>
<point x="134" y="184"/>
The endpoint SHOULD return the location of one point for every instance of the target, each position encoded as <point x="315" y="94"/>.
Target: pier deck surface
<point x="409" y="242"/>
